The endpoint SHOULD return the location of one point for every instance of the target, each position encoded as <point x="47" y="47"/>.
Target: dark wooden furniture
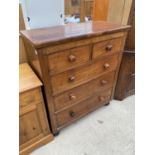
<point x="126" y="78"/>
<point x="33" y="125"/>
<point x="78" y="65"/>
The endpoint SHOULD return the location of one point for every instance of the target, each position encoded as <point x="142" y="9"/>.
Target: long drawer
<point x="83" y="92"/>
<point x="70" y="79"/>
<point x="68" y="59"/>
<point x="75" y="112"/>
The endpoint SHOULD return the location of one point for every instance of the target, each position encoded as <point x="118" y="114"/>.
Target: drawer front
<point x="73" y="78"/>
<point x="83" y="92"/>
<point x="30" y="97"/>
<point x="107" y="47"/>
<point x="68" y="59"/>
<point x="100" y="98"/>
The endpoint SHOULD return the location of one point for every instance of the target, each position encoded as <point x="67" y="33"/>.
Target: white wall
<point x="43" y="13"/>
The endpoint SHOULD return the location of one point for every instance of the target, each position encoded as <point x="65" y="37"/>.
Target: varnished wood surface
<point x="27" y="78"/>
<point x="71" y="9"/>
<point x="107" y="47"/>
<point x="78" y="43"/>
<point x="86" y="9"/>
<point x="126" y="78"/>
<point x="61" y="77"/>
<point x="42" y="141"/>
<point x="22" y="51"/>
<point x="78" y="94"/>
<point x="100" y="10"/>
<point x="68" y="58"/>
<point x="59" y="34"/>
<point x="34" y="129"/>
<point x="30" y="97"/>
<point x="74" y="78"/>
<point x="33" y="125"/>
<point x="73" y="113"/>
<point x="89" y="8"/>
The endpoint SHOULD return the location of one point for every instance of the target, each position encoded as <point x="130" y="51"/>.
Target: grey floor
<point x="106" y="131"/>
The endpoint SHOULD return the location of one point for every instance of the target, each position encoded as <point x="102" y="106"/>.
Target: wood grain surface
<point x="70" y="60"/>
<point x="76" y="77"/>
<point x="60" y="34"/>
<point x="78" y="94"/>
<point x="100" y="10"/>
<point x="27" y="78"/>
<point x="34" y="128"/>
<point x="73" y="113"/>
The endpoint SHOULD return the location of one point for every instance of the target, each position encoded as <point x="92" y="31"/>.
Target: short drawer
<point x="68" y="59"/>
<point x="30" y="97"/>
<point x="106" y="47"/>
<point x="70" y="79"/>
<point x="77" y="111"/>
<point x="83" y="92"/>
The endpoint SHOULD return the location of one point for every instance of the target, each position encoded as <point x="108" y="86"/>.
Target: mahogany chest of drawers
<point x="33" y="125"/>
<point x="78" y="64"/>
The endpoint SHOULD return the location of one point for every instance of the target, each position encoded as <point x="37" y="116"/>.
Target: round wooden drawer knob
<point x="72" y="114"/>
<point x="103" y="82"/>
<point x="106" y="66"/>
<point x="71" y="78"/>
<point x="72" y="96"/>
<point x="72" y="58"/>
<point x="108" y="48"/>
<point x="101" y="98"/>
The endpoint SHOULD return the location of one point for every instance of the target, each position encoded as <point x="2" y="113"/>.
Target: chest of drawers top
<point x="71" y="32"/>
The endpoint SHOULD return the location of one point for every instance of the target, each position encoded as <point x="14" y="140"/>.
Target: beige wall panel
<point x="119" y="11"/>
<point x="127" y="9"/>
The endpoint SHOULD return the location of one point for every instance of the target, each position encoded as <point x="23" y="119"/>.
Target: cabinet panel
<point x="29" y="126"/>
